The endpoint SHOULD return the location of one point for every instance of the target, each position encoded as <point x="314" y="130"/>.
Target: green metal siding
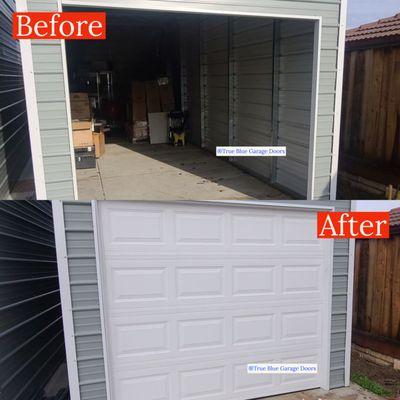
<point x="52" y="110"/>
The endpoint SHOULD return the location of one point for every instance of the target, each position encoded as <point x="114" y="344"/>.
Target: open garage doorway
<point x="224" y="80"/>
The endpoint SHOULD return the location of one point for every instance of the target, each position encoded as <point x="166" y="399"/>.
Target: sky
<point x="375" y="205"/>
<point x="365" y="11"/>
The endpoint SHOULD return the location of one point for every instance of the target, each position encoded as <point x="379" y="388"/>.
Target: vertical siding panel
<point x="252" y="55"/>
<point x="216" y="79"/>
<point x="52" y="109"/>
<point x="85" y="299"/>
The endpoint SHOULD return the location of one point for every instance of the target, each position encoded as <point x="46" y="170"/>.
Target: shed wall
<point x="50" y="84"/>
<point x="31" y="329"/>
<point x="14" y="134"/>
<point x="84" y="292"/>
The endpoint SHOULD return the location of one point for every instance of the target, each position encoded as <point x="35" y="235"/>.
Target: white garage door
<point x="194" y="293"/>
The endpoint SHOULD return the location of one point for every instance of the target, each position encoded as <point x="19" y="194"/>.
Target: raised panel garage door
<point x="193" y="293"/>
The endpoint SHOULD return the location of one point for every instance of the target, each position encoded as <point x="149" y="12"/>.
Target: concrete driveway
<point x="163" y="172"/>
<point x="353" y="392"/>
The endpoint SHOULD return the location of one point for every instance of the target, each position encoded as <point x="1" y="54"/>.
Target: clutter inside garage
<point x="126" y="88"/>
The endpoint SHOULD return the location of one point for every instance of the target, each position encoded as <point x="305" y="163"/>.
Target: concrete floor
<point x="162" y="172"/>
<point x="353" y="392"/>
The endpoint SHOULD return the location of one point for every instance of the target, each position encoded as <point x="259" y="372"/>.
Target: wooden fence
<point x="376" y="312"/>
<point x="371" y="105"/>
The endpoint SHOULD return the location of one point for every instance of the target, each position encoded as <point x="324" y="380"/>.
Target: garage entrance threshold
<point x="162" y="172"/>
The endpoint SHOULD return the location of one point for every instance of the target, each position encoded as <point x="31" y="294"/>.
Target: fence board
<point x="376" y="313"/>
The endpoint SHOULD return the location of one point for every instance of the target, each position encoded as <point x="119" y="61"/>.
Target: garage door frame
<point x="327" y="317"/>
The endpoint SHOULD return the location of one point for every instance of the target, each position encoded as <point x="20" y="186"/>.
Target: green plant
<point x="370" y="385"/>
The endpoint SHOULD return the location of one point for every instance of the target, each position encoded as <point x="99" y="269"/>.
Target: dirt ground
<point x="386" y="376"/>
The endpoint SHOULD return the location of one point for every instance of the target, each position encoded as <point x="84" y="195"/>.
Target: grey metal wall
<point x="190" y="45"/>
<point x="215" y="84"/>
<point x="295" y="51"/>
<point x="52" y="109"/>
<point x="252" y="59"/>
<point x="340" y="298"/>
<point x="14" y="133"/>
<point x="31" y="330"/>
<point x="85" y="299"/>
<point x="84" y="291"/>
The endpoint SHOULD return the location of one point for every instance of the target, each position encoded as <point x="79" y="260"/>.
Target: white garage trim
<point x="32" y="110"/>
<point x="98" y="250"/>
<point x="349" y="319"/>
<point x="68" y="107"/>
<point x="338" y="98"/>
<point x="149" y="5"/>
<point x="326" y="318"/>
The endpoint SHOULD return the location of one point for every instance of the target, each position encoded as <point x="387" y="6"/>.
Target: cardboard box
<point x="167" y="95"/>
<point x="140" y="130"/>
<point x="138" y="92"/>
<point x="153" y="97"/>
<point x="82" y="138"/>
<point x="99" y="142"/>
<point x="80" y="106"/>
<point x="81" y="124"/>
<point x="79" y="97"/>
<point x="139" y="111"/>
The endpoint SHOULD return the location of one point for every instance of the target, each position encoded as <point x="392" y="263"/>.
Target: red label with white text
<point x="353" y="225"/>
<point x="59" y="25"/>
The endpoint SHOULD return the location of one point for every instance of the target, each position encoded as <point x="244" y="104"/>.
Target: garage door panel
<point x="179" y="337"/>
<point x="195" y="292"/>
<point x="169" y="283"/>
<point x="218" y="379"/>
<point x="133" y="229"/>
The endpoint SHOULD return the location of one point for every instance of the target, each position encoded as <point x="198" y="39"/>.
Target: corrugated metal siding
<point x="14" y="133"/>
<point x="252" y="47"/>
<point x="215" y="70"/>
<point x="295" y="53"/>
<point x="339" y="304"/>
<point x="31" y="330"/>
<point x="190" y="42"/>
<point x="85" y="299"/>
<point x="52" y="108"/>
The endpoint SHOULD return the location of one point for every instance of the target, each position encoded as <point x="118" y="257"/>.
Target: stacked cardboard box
<point x="166" y="95"/>
<point x="140" y="128"/>
<point x="99" y="143"/>
<point x="88" y="136"/>
<point x="80" y="107"/>
<point x="147" y="98"/>
<point x="81" y="124"/>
